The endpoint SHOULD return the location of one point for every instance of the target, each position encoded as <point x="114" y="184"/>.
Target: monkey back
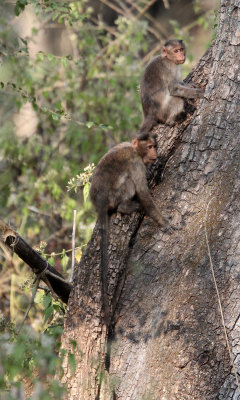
<point x="111" y="181"/>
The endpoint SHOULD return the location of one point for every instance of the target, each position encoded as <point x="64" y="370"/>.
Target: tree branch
<point x="36" y="262"/>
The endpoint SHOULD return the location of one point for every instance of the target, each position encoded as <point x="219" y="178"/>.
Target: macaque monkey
<point x="119" y="183"/>
<point x="162" y="91"/>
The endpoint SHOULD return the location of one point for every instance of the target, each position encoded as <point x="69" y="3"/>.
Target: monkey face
<point x="150" y="153"/>
<point x="146" y="149"/>
<point x="175" y="53"/>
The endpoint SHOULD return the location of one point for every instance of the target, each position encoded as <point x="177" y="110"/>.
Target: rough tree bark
<point x="166" y="339"/>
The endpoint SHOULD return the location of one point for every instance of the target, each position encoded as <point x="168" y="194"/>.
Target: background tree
<point x="167" y="339"/>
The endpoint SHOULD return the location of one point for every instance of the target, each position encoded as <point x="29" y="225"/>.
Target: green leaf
<point x="64" y="61"/>
<point x="34" y="31"/>
<point x="64" y="261"/>
<point x="55" y="331"/>
<point x="47" y="300"/>
<point x="48" y="314"/>
<point x="50" y="57"/>
<point x="56" y="117"/>
<point x="61" y="18"/>
<point x="86" y="191"/>
<point x="55" y="15"/>
<point x="39" y="298"/>
<point x="78" y="254"/>
<point x="72" y="362"/>
<point x="19" y="351"/>
<point x="17" y="10"/>
<point x="40" y="56"/>
<point x="51" y="260"/>
<point x="73" y="343"/>
<point x="89" y="124"/>
<point x="24" y="41"/>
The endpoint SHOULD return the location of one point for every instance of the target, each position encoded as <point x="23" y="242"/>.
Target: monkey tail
<point x="104" y="261"/>
<point x="148" y="124"/>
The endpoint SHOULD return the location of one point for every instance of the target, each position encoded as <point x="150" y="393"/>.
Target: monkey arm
<point x="140" y="181"/>
<point x="150" y="208"/>
<point x="181" y="90"/>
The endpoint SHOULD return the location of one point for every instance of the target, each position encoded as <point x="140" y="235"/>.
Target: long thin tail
<point x="147" y="124"/>
<point x="104" y="263"/>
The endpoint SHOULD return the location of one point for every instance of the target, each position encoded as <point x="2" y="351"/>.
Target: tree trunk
<point x="166" y="338"/>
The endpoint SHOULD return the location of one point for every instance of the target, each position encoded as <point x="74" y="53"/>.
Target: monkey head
<point x="174" y="50"/>
<point x="145" y="146"/>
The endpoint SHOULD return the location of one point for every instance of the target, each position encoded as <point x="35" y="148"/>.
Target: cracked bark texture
<point x="166" y="339"/>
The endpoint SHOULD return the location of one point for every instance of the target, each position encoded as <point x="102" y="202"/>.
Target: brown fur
<point x="162" y="91"/>
<point x="119" y="184"/>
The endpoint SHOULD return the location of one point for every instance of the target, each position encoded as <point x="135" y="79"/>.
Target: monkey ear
<point x="135" y="143"/>
<point x="164" y="51"/>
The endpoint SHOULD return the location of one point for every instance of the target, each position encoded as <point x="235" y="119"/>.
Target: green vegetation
<point x="82" y="102"/>
<point x="34" y="361"/>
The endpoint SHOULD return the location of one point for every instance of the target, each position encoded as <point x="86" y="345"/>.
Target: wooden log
<point x="35" y="261"/>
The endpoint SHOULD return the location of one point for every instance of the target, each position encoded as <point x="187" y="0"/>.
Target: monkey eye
<point x="177" y="50"/>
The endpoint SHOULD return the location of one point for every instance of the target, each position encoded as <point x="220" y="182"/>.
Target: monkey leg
<point x="129" y="206"/>
<point x="175" y="108"/>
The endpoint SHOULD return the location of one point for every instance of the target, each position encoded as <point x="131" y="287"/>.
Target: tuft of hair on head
<point x="153" y="136"/>
<point x="146" y="136"/>
<point x="143" y="135"/>
<point x="173" y="42"/>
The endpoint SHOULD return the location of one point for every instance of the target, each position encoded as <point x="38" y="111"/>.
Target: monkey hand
<point x="200" y="93"/>
<point x="170" y="122"/>
<point x="163" y="222"/>
<point x="193" y="85"/>
<point x="166" y="225"/>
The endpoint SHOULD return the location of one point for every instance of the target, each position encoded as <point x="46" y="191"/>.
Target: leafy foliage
<point x="35" y="357"/>
<point x="83" y="101"/>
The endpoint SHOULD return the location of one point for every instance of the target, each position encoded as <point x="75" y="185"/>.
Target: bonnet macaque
<point x="162" y="91"/>
<point x="119" y="183"/>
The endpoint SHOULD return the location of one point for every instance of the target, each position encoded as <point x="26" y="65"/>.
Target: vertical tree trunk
<point x="166" y="339"/>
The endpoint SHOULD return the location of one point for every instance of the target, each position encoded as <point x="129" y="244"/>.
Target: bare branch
<point x="39" y="265"/>
<point x="73" y="244"/>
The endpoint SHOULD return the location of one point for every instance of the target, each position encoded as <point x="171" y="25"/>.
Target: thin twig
<point x="127" y="10"/>
<point x="166" y="3"/>
<point x="55" y="276"/>
<point x="107" y="28"/>
<point x="113" y="7"/>
<point x="45" y="288"/>
<point x="150" y="28"/>
<point x="118" y="41"/>
<point x="73" y="244"/>
<point x="34" y="292"/>
<point x="146" y="8"/>
<point x="219" y="300"/>
<point x="46" y="280"/>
